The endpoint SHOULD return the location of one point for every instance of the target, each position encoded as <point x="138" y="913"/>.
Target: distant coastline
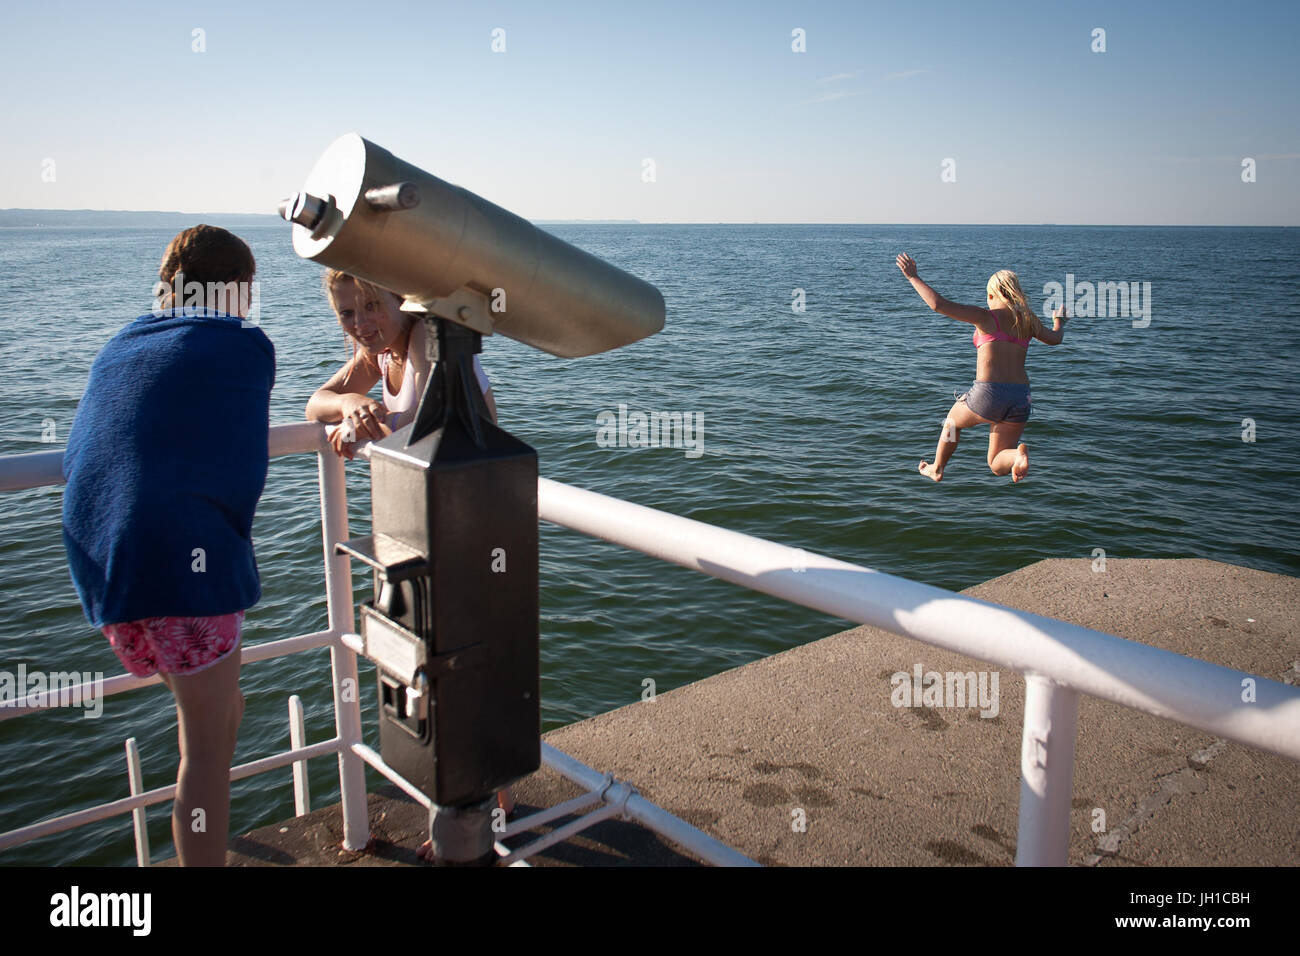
<point x="115" y="218"/>
<point x="112" y="218"/>
<point x="20" y="218"/>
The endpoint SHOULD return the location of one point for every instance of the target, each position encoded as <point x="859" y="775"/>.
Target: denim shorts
<point x="998" y="401"/>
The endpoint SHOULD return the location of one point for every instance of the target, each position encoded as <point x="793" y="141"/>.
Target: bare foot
<point x="928" y="470"/>
<point x="505" y="800"/>
<point x="1020" y="467"/>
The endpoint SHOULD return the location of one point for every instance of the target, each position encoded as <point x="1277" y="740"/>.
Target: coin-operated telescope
<point x="453" y="625"/>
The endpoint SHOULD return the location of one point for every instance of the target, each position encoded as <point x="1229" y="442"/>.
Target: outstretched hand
<point x="907" y="264"/>
<point x="1060" y="316"/>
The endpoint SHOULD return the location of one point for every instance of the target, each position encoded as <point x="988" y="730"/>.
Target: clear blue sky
<point x="740" y="128"/>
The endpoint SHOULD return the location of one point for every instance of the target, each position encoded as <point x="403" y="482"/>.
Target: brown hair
<point x="205" y="254"/>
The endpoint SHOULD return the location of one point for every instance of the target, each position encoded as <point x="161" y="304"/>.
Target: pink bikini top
<point x="998" y="336"/>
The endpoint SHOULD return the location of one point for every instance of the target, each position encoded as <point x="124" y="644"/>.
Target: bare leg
<point x="1005" y="455"/>
<point x="209" y="708"/>
<point x="506" y="801"/>
<point x="1020" y="467"/>
<point x="959" y="417"/>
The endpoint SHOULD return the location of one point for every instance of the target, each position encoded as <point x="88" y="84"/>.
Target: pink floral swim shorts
<point x="174" y="645"/>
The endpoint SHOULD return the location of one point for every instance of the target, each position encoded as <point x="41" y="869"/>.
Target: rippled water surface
<point x="813" y="425"/>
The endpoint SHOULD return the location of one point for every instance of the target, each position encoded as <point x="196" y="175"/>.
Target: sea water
<point x="812" y="379"/>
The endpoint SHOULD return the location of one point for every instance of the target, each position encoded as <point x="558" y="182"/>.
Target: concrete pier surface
<point x="810" y="735"/>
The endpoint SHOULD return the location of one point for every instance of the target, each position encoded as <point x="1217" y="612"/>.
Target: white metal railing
<point x="1059" y="660"/>
<point x="19" y="472"/>
<point x="46" y="468"/>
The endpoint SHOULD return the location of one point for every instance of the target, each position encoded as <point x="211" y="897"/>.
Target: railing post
<point x="1046" y="772"/>
<point x="298" y="739"/>
<point x="138" y="817"/>
<point x="343" y="663"/>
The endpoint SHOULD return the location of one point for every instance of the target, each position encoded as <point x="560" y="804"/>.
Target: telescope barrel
<point x="366" y="212"/>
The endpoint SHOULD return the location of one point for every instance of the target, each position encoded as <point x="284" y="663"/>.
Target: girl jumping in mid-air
<point x="999" y="397"/>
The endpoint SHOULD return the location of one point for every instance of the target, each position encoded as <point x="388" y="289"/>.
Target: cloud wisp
<point x="903" y="74"/>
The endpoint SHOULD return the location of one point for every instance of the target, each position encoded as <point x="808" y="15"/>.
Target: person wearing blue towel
<point x="165" y="463"/>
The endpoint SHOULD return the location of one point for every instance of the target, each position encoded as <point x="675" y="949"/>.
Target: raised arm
<point x="962" y="313"/>
<point x="1057" y="333"/>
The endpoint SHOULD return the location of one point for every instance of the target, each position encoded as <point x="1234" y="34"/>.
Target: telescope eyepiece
<point x="320" y="216"/>
<point x="303" y="209"/>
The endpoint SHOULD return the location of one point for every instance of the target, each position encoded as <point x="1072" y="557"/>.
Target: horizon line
<point x="707" y="222"/>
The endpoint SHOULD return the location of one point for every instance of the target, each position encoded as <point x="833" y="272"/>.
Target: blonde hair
<point x="1004" y="285"/>
<point x="333" y="279"/>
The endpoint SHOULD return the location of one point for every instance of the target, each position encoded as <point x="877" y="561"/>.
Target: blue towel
<point x="165" y="462"/>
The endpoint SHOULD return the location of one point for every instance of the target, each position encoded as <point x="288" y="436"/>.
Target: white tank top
<point x="401" y="407"/>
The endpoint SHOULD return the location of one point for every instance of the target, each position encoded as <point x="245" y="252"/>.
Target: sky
<point x="961" y="112"/>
